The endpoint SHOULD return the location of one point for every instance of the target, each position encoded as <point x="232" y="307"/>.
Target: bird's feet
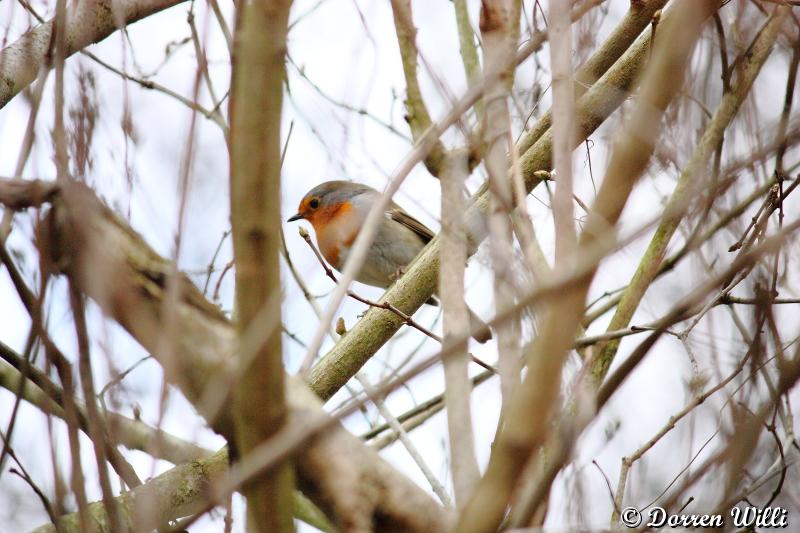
<point x="397" y="274"/>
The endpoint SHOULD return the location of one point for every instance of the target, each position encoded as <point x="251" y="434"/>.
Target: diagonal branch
<point x="133" y="434"/>
<point x="421" y="278"/>
<point x="688" y="184"/>
<point x="636" y="19"/>
<point x="523" y="434"/>
<point x="110" y="263"/>
<point x="177" y="492"/>
<point x="88" y="22"/>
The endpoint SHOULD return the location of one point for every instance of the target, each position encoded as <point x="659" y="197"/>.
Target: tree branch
<point x="688" y="184"/>
<point x="417" y="116"/>
<point x="86" y="23"/>
<point x="522" y="434"/>
<point x="455" y="324"/>
<point x="177" y="492"/>
<point x="259" y="406"/>
<point x="421" y="278"/>
<point x="110" y="263"/>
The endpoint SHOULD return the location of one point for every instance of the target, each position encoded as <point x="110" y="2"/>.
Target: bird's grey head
<point x="327" y="195"/>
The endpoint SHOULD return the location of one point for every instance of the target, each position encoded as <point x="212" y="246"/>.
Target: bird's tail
<point x="478" y="328"/>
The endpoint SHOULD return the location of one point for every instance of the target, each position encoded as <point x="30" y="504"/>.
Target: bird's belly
<point x="375" y="272"/>
<point x="383" y="263"/>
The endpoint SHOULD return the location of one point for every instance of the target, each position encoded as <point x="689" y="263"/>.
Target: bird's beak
<point x="298" y="216"/>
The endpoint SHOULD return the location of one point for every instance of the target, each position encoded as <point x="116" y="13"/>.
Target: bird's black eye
<point x="314" y="203"/>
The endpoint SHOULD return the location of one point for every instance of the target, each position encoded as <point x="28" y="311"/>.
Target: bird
<point x="337" y="209"/>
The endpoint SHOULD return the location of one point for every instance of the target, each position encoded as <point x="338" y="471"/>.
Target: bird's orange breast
<point x="336" y="226"/>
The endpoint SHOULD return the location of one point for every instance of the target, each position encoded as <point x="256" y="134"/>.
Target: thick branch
<point x="688" y="184"/>
<point x="180" y="491"/>
<point x="112" y="264"/>
<point x="523" y="434"/>
<point x="497" y="30"/>
<point x="636" y="19"/>
<point x="455" y="324"/>
<point x="417" y="114"/>
<point x="421" y="278"/>
<point x="259" y="406"/>
<point x="177" y="492"/>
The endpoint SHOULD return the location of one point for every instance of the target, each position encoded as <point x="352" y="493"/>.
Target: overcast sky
<point x="348" y="51"/>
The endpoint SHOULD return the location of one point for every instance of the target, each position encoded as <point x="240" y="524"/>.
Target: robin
<point x="337" y="210"/>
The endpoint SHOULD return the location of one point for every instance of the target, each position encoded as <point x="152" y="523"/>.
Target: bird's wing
<point x="398" y="215"/>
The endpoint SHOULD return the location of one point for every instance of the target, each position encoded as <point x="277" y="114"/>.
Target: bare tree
<point x="174" y="358"/>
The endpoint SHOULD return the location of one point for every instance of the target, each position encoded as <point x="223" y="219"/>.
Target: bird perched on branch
<point x="338" y="209"/>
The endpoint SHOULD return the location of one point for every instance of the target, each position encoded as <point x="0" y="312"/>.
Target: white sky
<point x="348" y="48"/>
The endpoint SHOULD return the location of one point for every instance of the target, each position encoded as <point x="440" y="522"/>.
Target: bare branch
<point x="455" y="325"/>
<point x="83" y="235"/>
<point x="539" y="392"/>
<point x="688" y="183"/>
<point x="86" y="23"/>
<point x="417" y="114"/>
<point x="421" y="280"/>
<point x="256" y="101"/>
<point x="563" y="112"/>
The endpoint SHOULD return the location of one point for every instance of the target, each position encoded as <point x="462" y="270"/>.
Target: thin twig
<point x="380" y="305"/>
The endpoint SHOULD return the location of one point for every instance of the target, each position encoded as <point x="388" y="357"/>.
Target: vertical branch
<point x="55" y="57"/>
<point x="202" y="66"/>
<point x="417" y="116"/>
<point x="467" y="48"/>
<point x="64" y="371"/>
<point x="522" y="222"/>
<point x="498" y="46"/>
<point x="787" y="106"/>
<point x="466" y="42"/>
<point x="93" y="418"/>
<point x="528" y="416"/>
<point x="560" y="32"/>
<point x="255" y="110"/>
<point x="458" y="388"/>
